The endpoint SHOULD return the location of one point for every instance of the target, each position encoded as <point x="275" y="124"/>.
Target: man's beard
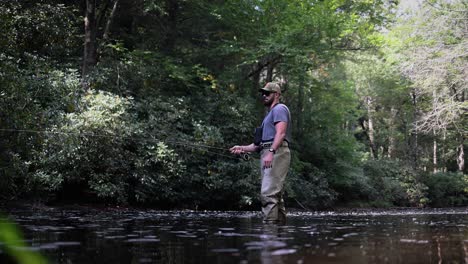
<point x="267" y="102"/>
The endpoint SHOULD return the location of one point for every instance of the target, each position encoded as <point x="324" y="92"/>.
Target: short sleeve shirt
<point x="279" y="113"/>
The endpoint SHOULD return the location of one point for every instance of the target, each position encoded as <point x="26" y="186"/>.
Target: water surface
<point x="133" y="236"/>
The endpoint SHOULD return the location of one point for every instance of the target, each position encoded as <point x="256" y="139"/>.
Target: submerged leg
<point x="273" y="186"/>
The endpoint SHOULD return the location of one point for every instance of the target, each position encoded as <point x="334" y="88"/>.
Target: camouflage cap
<point x="271" y="87"/>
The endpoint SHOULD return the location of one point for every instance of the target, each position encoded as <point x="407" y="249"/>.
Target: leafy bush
<point x="227" y="184"/>
<point x="98" y="151"/>
<point x="308" y="186"/>
<point x="394" y="183"/>
<point x="13" y="177"/>
<point x="416" y="190"/>
<point x="349" y="182"/>
<point x="157" y="171"/>
<point x="447" y="189"/>
<point x="383" y="176"/>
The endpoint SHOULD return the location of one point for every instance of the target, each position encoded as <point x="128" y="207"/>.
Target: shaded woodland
<point x="135" y="102"/>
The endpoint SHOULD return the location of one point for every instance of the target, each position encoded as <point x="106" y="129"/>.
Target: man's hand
<point x="268" y="160"/>
<point x="237" y="150"/>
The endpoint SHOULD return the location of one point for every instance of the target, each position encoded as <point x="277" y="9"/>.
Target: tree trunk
<point x="255" y="79"/>
<point x="434" y="148"/>
<point x="461" y="156"/>
<point x="171" y="30"/>
<point x="90" y="45"/>
<point x="300" y="109"/>
<point x="391" y="138"/>
<point x="460" y="149"/>
<point x="434" y="157"/>
<point x="414" y="133"/>
<point x="370" y="127"/>
<point x="270" y="70"/>
<point x="109" y="21"/>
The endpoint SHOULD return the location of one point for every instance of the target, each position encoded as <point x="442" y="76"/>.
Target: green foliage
<point x="99" y="150"/>
<point x="35" y="30"/>
<point x="13" y="244"/>
<point x="175" y="85"/>
<point x="447" y="189"/>
<point x="416" y="190"/>
<point x="12" y="183"/>
<point x="384" y="179"/>
<point x="308" y="186"/>
<point x="394" y="183"/>
<point x="82" y="146"/>
<point x="157" y="172"/>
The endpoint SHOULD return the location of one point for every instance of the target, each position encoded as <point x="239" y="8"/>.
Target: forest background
<point x="135" y="102"/>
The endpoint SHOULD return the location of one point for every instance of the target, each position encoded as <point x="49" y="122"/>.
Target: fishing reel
<point x="245" y="156"/>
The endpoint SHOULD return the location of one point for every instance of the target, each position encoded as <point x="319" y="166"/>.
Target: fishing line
<point x="244" y="156"/>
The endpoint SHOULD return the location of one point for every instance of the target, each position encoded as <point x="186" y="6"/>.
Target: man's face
<point x="268" y="97"/>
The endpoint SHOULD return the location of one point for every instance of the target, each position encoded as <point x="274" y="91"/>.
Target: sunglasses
<point x="266" y="93"/>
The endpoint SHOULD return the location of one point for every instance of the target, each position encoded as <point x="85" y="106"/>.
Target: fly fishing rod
<point x="206" y="148"/>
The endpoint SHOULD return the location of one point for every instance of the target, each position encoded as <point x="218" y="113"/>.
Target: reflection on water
<point x="130" y="236"/>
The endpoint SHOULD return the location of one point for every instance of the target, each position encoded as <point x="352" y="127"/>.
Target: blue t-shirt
<point x="280" y="112"/>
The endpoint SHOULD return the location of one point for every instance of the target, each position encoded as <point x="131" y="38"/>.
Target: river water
<point x="145" y="236"/>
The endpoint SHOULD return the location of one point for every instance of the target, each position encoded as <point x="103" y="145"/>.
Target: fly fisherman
<point x="271" y="140"/>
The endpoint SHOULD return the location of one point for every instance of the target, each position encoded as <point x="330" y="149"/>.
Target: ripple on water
<point x="56" y="245"/>
<point x="143" y="240"/>
<point x="115" y="229"/>
<point x="414" y="241"/>
<point x="187" y="236"/>
<point x="67" y="243"/>
<point x="283" y="252"/>
<point x="230" y="234"/>
<point x="227" y="229"/>
<point x="48" y="246"/>
<point x="265" y="244"/>
<point x="350" y="234"/>
<point x="225" y="250"/>
<point x="179" y="232"/>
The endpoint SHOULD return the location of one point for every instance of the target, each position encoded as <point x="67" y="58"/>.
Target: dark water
<point x="130" y="236"/>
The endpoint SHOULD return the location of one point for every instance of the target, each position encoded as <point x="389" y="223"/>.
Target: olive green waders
<point x="273" y="184"/>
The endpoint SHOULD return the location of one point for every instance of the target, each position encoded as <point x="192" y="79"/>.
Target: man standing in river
<point x="274" y="152"/>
